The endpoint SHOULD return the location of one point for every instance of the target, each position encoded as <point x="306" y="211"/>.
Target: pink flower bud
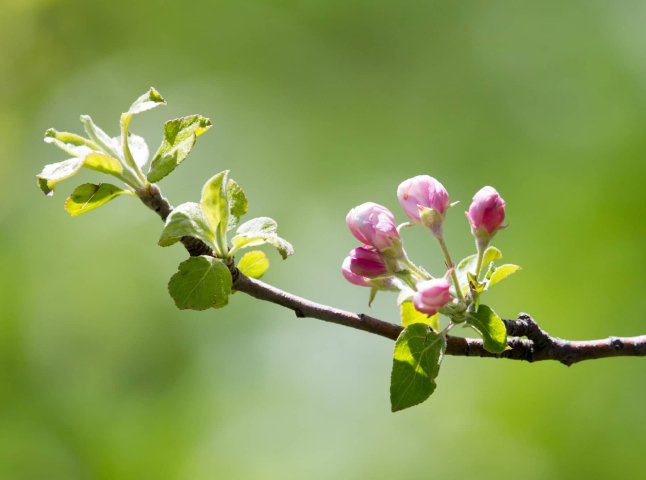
<point x="423" y="191"/>
<point x="486" y="213"/>
<point x="366" y="262"/>
<point x="373" y="225"/>
<point x="432" y="295"/>
<point x="353" y="277"/>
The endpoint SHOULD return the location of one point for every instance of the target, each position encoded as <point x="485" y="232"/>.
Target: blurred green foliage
<point x="318" y="106"/>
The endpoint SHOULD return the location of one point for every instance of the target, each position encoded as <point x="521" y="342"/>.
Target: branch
<point x="535" y="346"/>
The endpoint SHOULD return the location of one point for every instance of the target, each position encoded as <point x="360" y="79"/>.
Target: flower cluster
<point x="381" y="262"/>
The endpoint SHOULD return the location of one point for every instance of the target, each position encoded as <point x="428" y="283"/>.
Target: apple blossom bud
<point x="486" y="213"/>
<point x="353" y="277"/>
<point x="432" y="295"/>
<point x="374" y="225"/>
<point x="425" y="201"/>
<point x="365" y="261"/>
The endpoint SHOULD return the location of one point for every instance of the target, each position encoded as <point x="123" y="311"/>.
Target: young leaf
<point x="254" y="264"/>
<point x="416" y="363"/>
<point x="68" y="139"/>
<point x="138" y="148"/>
<point x="103" y="163"/>
<point x="258" y="231"/>
<point x="178" y="140"/>
<point x="186" y="219"/>
<point x="215" y="205"/>
<point x="201" y="282"/>
<point x="102" y="139"/>
<point x="468" y="265"/>
<point x="409" y="316"/>
<point x="238" y="204"/>
<point x="492" y="329"/>
<point x="149" y="100"/>
<point x="55" y="172"/>
<point x="89" y="196"/>
<point x="502" y="272"/>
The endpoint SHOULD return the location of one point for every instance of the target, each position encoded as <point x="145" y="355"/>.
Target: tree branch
<point x="535" y="346"/>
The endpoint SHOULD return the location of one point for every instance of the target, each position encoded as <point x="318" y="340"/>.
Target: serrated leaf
<point x="502" y="272"/>
<point x="179" y="138"/>
<point x="186" y="219"/>
<point x="89" y="196"/>
<point x="215" y="203"/>
<point x="55" y="172"/>
<point x="238" y="204"/>
<point x="409" y="315"/>
<point x="149" y="100"/>
<point x="492" y="329"/>
<point x="201" y="282"/>
<point x="259" y="231"/>
<point x="416" y="363"/>
<point x="254" y="264"/>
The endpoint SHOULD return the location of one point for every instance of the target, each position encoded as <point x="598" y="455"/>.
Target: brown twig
<point x="527" y="341"/>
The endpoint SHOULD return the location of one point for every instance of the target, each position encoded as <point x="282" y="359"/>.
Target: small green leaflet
<point x="492" y="329"/>
<point x="259" y="231"/>
<point x="201" y="282"/>
<point x="215" y="206"/>
<point x="468" y="265"/>
<point x="178" y="140"/>
<point x="254" y="264"/>
<point x="502" y="272"/>
<point x="89" y="196"/>
<point x="186" y="220"/>
<point x="149" y="100"/>
<point x="238" y="204"/>
<point x="409" y="316"/>
<point x="55" y="172"/>
<point x="416" y="363"/>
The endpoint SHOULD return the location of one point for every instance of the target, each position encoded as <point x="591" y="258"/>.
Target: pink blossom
<point x="432" y="295"/>
<point x="422" y="191"/>
<point x="486" y="213"/>
<point x="373" y="225"/>
<point x="365" y="261"/>
<point x="353" y="277"/>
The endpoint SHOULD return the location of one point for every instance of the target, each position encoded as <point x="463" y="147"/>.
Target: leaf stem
<point x="450" y="266"/>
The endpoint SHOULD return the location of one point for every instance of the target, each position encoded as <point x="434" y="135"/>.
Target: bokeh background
<point x="319" y="106"/>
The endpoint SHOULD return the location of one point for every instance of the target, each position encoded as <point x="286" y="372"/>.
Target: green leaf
<point x="254" y="264"/>
<point x="502" y="272"/>
<point x="179" y="137"/>
<point x="103" y="163"/>
<point x="186" y="219"/>
<point x="149" y="100"/>
<point x="215" y="205"/>
<point x="65" y="140"/>
<point x="201" y="282"/>
<point x="468" y="265"/>
<point x="259" y="231"/>
<point x="102" y="139"/>
<point x="492" y="329"/>
<point x="138" y="148"/>
<point x="410" y="315"/>
<point x="89" y="196"/>
<point x="238" y="204"/>
<point x="416" y="363"/>
<point x="55" y="172"/>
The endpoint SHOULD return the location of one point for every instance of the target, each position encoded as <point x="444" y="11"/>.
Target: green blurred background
<point x="319" y="106"/>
